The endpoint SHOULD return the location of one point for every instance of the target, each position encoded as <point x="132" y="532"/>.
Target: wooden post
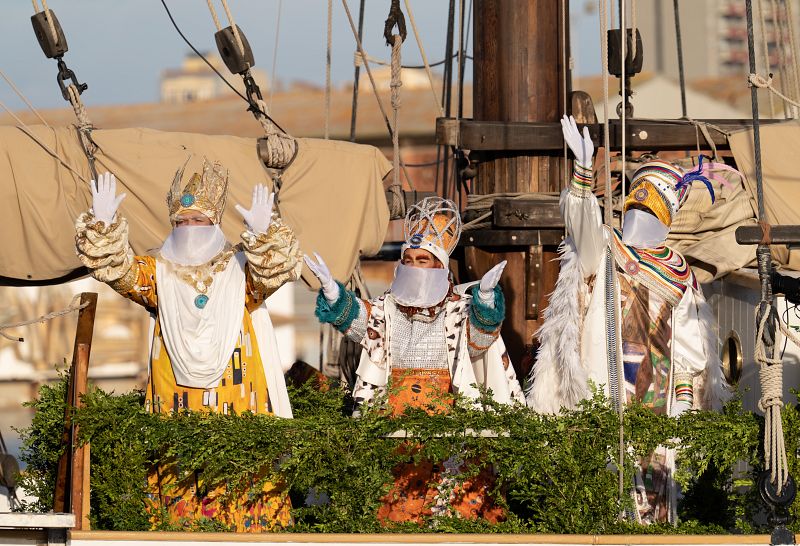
<point x="72" y="480"/>
<point x="519" y="76"/>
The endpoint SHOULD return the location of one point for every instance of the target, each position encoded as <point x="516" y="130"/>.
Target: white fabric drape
<point x="200" y="341"/>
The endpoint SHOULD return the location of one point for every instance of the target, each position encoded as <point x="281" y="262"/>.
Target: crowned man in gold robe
<point x="213" y="346"/>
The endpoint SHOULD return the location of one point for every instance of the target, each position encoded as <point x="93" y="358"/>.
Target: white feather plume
<point x="558" y="378"/>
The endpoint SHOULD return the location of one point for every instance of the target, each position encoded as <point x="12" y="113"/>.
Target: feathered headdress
<point x="663" y="188"/>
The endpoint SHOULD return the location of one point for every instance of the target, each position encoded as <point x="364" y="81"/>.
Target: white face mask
<point x="193" y="245"/>
<point x="419" y="286"/>
<point x="641" y="229"/>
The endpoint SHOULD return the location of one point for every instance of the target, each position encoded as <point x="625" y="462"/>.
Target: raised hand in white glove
<point x="582" y="146"/>
<point x="105" y="201"/>
<point x="679" y="407"/>
<point x="259" y="217"/>
<point x="329" y="287"/>
<point x="488" y="283"/>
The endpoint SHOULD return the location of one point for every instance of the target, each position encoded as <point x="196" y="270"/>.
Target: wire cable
<point x="252" y="106"/>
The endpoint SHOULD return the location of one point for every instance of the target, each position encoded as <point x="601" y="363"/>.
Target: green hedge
<point x="553" y="472"/>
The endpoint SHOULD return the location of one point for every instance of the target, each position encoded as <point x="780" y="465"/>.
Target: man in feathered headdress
<point x="627" y="313"/>
<point x="213" y="346"/>
<point x="422" y="336"/>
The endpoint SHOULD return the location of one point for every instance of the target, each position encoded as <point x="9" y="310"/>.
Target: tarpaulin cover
<point x="332" y="193"/>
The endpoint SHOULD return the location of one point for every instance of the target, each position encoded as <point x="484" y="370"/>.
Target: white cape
<point x="200" y="358"/>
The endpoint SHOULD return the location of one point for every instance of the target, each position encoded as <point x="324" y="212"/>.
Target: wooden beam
<point x="642" y="135"/>
<point x="72" y="476"/>
<point x="779" y="235"/>
<point x="495" y="238"/>
<point x="526" y="213"/>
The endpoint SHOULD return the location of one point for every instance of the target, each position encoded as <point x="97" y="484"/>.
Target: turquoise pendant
<point x="200" y="301"/>
<point x="187" y="200"/>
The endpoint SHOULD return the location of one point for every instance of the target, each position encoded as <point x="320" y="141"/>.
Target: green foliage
<point x="553" y="472"/>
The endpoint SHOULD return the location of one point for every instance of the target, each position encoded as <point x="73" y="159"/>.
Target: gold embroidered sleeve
<point x="273" y="258"/>
<point x="105" y="251"/>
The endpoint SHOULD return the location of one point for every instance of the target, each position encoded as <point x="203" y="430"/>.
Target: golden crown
<point x="206" y="192"/>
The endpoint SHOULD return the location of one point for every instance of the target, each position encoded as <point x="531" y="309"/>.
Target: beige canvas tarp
<point x="332" y="194"/>
<point x="705" y="233"/>
<point x="780" y="146"/>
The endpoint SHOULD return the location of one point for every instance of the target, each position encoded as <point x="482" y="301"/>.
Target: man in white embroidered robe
<point x="422" y="336"/>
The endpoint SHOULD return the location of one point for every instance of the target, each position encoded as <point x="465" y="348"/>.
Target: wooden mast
<point x="518" y="77"/>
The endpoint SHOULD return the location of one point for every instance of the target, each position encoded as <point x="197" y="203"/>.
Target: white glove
<point x="105" y="201"/>
<point x="329" y="287"/>
<point x="679" y="407"/>
<point x="259" y="217"/>
<point x="488" y="283"/>
<point x="582" y="146"/>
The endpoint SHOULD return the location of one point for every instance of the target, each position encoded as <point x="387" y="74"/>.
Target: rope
<point x="374" y="86"/>
<point x="679" y="42"/>
<point x="275" y="52"/>
<point x="358" y="61"/>
<point x="24" y="99"/>
<point x="762" y="26"/>
<point x="397" y="207"/>
<point x="214" y="14"/>
<point x="623" y="112"/>
<point x="565" y="72"/>
<point x="781" y="54"/>
<point x="73" y="306"/>
<point x="761" y="82"/>
<point x="356" y="76"/>
<point x="48" y="16"/>
<point x="328" y="72"/>
<point x="634" y="4"/>
<point x="771" y="402"/>
<point x="235" y="28"/>
<point x="424" y="57"/>
<point x="25" y="129"/>
<point x="603" y="11"/>
<point x="795" y="66"/>
<point x="459" y="90"/>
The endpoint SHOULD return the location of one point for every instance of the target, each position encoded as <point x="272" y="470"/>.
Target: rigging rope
<point x="775" y="452"/>
<point x="74" y="305"/>
<point x="374" y="87"/>
<point x="603" y="7"/>
<point x="761" y="82"/>
<point x="424" y="57"/>
<point x="235" y="28"/>
<point x="358" y="61"/>
<point x="679" y="42"/>
<point x="795" y="63"/>
<point x="612" y="345"/>
<point x="261" y="110"/>
<point x="398" y="205"/>
<point x="214" y="14"/>
<point x="22" y="96"/>
<point x="762" y="27"/>
<point x="356" y="76"/>
<point x="328" y="72"/>
<point x="781" y="54"/>
<point x="624" y="111"/>
<point x="275" y="52"/>
<point x="49" y="18"/>
<point x="565" y="72"/>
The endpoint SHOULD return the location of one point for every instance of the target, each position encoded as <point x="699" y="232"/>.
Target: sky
<point x="120" y="48"/>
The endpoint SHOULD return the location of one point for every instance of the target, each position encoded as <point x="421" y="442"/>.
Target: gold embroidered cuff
<point x="274" y="257"/>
